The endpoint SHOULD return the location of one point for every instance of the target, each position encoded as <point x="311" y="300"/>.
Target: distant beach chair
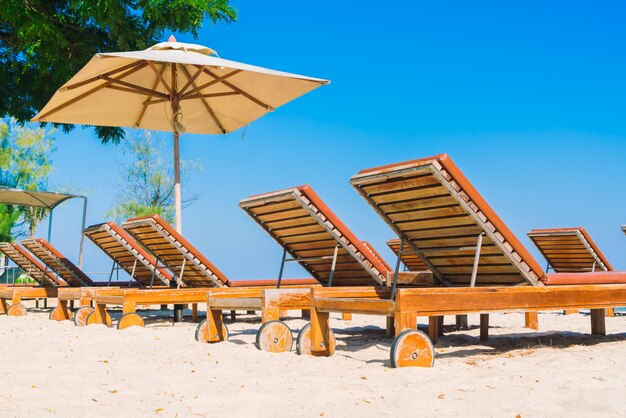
<point x="314" y="237"/>
<point x="47" y="280"/>
<point x="570" y="250"/>
<point x="480" y="264"/>
<point x="193" y="275"/>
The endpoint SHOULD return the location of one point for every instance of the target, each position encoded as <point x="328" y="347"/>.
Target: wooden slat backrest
<point x="115" y="242"/>
<point x="24" y="260"/>
<point x="307" y="229"/>
<point x="172" y="250"/>
<point x="409" y="258"/>
<point x="432" y="206"/>
<point x="569" y="250"/>
<point x="57" y="262"/>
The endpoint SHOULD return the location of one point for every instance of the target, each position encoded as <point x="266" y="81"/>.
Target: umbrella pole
<point x="177" y="193"/>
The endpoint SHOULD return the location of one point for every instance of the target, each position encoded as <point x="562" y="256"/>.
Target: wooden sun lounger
<point x="570" y="250"/>
<point x="48" y="282"/>
<point x="482" y="266"/>
<point x="127" y="255"/>
<point x="311" y="235"/>
<point x="194" y="273"/>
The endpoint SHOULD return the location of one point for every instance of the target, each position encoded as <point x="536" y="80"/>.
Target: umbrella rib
<point x="209" y="95"/>
<point x="212" y="82"/>
<point x="134" y="91"/>
<point x="87" y="93"/>
<point x="138" y="89"/>
<point x="242" y="92"/>
<point x="159" y="78"/>
<point x="204" y="102"/>
<point x="186" y="86"/>
<point x="147" y="102"/>
<point x="99" y="76"/>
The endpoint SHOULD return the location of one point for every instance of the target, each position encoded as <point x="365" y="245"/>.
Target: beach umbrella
<point x="175" y="87"/>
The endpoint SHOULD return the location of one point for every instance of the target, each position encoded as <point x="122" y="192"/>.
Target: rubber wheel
<point x="57" y="315"/>
<point x="81" y="314"/>
<point x="303" y="343"/>
<point x="275" y="337"/>
<point x="91" y="319"/>
<point x="412" y="348"/>
<point x="17" y="309"/>
<point x="130" y="319"/>
<point x="202" y="332"/>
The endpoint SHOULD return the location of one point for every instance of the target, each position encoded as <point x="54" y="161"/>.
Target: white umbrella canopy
<point x="175" y="87"/>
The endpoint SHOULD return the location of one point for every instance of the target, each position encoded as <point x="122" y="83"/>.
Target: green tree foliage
<point x="147" y="179"/>
<point x="24" y="164"/>
<point x="43" y="43"/>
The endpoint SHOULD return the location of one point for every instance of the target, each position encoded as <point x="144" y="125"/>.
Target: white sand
<point x="56" y="369"/>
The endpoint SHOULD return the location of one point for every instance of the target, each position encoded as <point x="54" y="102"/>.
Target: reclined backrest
<point x="309" y="231"/>
<point x="432" y="206"/>
<point x="24" y="260"/>
<point x="569" y="250"/>
<point x="175" y="252"/>
<point x="57" y="262"/>
<point x="409" y="258"/>
<point x="127" y="253"/>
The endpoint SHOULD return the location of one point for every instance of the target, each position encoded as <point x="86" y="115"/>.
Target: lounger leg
<point x="270" y="313"/>
<point x="598" y="324"/>
<point x="129" y="307"/>
<point x="461" y="322"/>
<point x="403" y="321"/>
<point x="215" y="328"/>
<point x="100" y="313"/>
<point x="4" y="307"/>
<point x="610" y="312"/>
<point x="531" y="320"/>
<point x="63" y="311"/>
<point x="233" y="315"/>
<point x="45" y="302"/>
<point x="433" y="332"/>
<point x="250" y="312"/>
<point x="346" y="316"/>
<point x="36" y="303"/>
<point x="194" y="312"/>
<point x="440" y="326"/>
<point x="306" y="314"/>
<point x="484" y="327"/>
<point x="72" y="305"/>
<point x="391" y="326"/>
<point x="320" y="333"/>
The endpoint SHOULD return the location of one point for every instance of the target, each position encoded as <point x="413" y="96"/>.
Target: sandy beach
<point x="57" y="369"/>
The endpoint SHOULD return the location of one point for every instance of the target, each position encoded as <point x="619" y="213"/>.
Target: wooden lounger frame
<point x="48" y="282"/>
<point x="127" y="254"/>
<point x="569" y="250"/>
<point x="314" y="237"/>
<point x="191" y="267"/>
<point x="57" y="262"/>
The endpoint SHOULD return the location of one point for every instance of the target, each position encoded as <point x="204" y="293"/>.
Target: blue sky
<point x="528" y="98"/>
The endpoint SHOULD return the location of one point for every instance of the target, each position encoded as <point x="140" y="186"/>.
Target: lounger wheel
<point x="130" y="319"/>
<point x="81" y="314"/>
<point x="17" y="309"/>
<point x="303" y="343"/>
<point x="275" y="337"/>
<point x="57" y="314"/>
<point x="202" y="332"/>
<point x="91" y="319"/>
<point x="412" y="348"/>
